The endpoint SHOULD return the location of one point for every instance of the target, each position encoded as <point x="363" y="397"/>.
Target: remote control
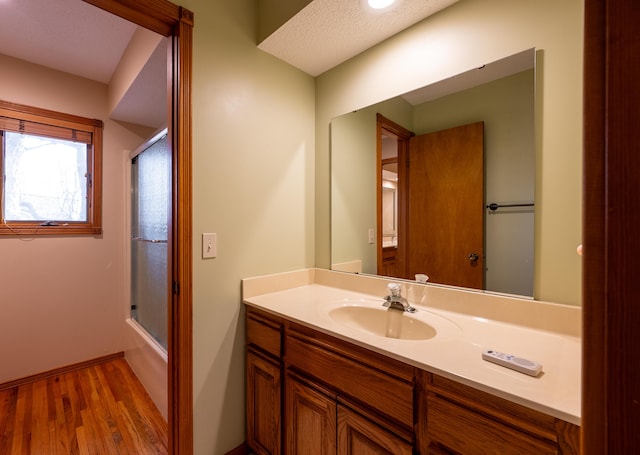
<point x="511" y="361"/>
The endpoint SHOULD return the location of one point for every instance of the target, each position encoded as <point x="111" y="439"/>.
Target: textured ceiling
<point x="328" y="32"/>
<point x="66" y="35"/>
<point x="77" y="38"/>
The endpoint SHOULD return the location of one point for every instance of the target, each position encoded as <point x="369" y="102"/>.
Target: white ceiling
<point x="66" y="35"/>
<point x="77" y="38"/>
<point x="80" y="39"/>
<point x="326" y="33"/>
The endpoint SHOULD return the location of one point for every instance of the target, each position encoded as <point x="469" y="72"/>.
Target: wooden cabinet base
<point x="338" y="398"/>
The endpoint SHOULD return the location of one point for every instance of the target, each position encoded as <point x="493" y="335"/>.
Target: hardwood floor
<point x="101" y="409"/>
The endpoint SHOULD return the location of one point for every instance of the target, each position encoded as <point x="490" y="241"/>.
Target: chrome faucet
<point x="395" y="301"/>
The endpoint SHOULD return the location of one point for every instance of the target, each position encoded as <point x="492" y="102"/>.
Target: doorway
<point x="392" y="147"/>
<point x="170" y="20"/>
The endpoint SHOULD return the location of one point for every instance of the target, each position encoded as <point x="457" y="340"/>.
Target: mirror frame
<point x="170" y="20"/>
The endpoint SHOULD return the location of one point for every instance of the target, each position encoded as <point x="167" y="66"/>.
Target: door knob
<point x="473" y="257"/>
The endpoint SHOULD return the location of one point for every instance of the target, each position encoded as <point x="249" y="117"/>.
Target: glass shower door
<point x="150" y="202"/>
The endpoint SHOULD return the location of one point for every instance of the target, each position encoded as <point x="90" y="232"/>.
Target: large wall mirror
<point x="383" y="225"/>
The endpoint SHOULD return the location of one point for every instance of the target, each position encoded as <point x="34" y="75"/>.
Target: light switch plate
<point x="209" y="245"/>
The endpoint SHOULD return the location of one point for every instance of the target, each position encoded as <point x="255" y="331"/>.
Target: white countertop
<point x="456" y="352"/>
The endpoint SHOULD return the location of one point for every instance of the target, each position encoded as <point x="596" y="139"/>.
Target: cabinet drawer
<point x="264" y="333"/>
<point x="370" y="387"/>
<point x="458" y="429"/>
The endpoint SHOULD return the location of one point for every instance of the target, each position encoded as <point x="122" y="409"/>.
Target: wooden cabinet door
<point x="310" y="420"/>
<point x="263" y="405"/>
<point x="359" y="436"/>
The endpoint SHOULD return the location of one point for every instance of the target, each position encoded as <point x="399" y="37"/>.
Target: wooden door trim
<point x="610" y="410"/>
<point x="594" y="429"/>
<point x="168" y="19"/>
<point x="383" y="123"/>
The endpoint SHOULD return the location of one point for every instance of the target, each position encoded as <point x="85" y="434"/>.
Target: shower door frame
<point x="135" y="203"/>
<point x="170" y="20"/>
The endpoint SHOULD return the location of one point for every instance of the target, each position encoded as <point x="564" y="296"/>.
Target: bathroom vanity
<point x="318" y="382"/>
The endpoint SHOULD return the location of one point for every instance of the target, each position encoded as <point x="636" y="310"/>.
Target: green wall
<point x="253" y="162"/>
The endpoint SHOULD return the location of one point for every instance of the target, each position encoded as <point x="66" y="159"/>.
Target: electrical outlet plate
<point x="372" y="236"/>
<point x="209" y="245"/>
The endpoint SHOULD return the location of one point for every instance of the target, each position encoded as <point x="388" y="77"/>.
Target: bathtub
<point x="148" y="360"/>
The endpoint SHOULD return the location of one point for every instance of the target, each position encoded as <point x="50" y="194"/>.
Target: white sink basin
<point x="371" y="317"/>
<point x="383" y="322"/>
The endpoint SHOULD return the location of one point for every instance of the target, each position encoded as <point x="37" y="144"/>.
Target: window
<point x="51" y="166"/>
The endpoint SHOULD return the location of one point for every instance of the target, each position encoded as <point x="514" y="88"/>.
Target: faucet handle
<point x="395" y="299"/>
<point x="395" y="289"/>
